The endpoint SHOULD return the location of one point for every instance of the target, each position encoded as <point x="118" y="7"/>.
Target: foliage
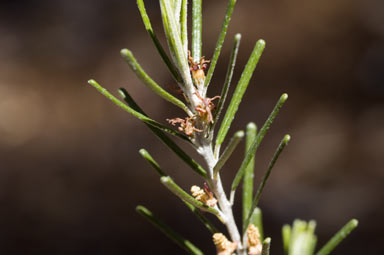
<point x="191" y="73"/>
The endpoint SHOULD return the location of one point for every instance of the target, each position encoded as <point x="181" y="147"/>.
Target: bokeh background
<point x="70" y="174"/>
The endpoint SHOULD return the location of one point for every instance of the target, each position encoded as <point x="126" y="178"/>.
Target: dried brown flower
<point x="206" y="107"/>
<point x="187" y="125"/>
<point x="197" y="68"/>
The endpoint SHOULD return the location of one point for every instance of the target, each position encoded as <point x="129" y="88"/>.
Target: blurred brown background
<point x="70" y="174"/>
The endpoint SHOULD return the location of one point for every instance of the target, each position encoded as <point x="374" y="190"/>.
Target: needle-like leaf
<point x="237" y="137"/>
<point x="196" y="29"/>
<point x="259" y="191"/>
<point x="220" y="41"/>
<point x="136" y="114"/>
<point x="183" y="25"/>
<point x="266" y="246"/>
<point x="145" y="154"/>
<point x="164" y="138"/>
<point x="239" y="91"/>
<point x="207" y="223"/>
<point x="338" y="237"/>
<point x="175" y="45"/>
<point x="177" y="10"/>
<point x="144" y="77"/>
<point x="228" y="77"/>
<point x="252" y="150"/>
<point x="168" y="231"/>
<point x="156" y="42"/>
<point x="175" y="189"/>
<point x="286" y="233"/>
<point x="249" y="171"/>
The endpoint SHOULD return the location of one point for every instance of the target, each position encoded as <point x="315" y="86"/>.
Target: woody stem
<point x="225" y="206"/>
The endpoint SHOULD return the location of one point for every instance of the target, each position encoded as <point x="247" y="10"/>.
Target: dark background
<point x="70" y="174"/>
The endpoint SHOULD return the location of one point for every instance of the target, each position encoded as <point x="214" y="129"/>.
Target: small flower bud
<point x="254" y="243"/>
<point x="203" y="195"/>
<point x="223" y="245"/>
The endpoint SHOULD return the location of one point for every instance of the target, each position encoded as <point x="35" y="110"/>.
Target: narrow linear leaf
<point x="266" y="246"/>
<point x="164" y="138"/>
<point x="249" y="171"/>
<point x="145" y="154"/>
<point x="252" y="150"/>
<point x="286" y="233"/>
<point x="156" y="42"/>
<point x="184" y="25"/>
<point x="237" y="137"/>
<point x="257" y="220"/>
<point x="175" y="189"/>
<point x="206" y="222"/>
<point x="168" y="231"/>
<point x="144" y="77"/>
<point x="177" y="10"/>
<point x="220" y="41"/>
<point x="338" y="237"/>
<point x="175" y="45"/>
<point x="196" y="30"/>
<point x="228" y="77"/>
<point x="136" y="114"/>
<point x="259" y="191"/>
<point x="239" y="91"/>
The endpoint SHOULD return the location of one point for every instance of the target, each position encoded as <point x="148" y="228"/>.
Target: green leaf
<point x="257" y="220"/>
<point x="175" y="45"/>
<point x="168" y="231"/>
<point x="239" y="92"/>
<point x="177" y="10"/>
<point x="136" y="114"/>
<point x="252" y="150"/>
<point x="207" y="223"/>
<point x="156" y="42"/>
<point x="249" y="171"/>
<point x="259" y="191"/>
<point x="338" y="237"/>
<point x="184" y="25"/>
<point x="145" y="154"/>
<point x="164" y="138"/>
<point x="175" y="189"/>
<point x="144" y="77"/>
<point x="286" y="233"/>
<point x="196" y="30"/>
<point x="237" y="137"/>
<point x="220" y="41"/>
<point x="228" y="77"/>
<point x="266" y="246"/>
